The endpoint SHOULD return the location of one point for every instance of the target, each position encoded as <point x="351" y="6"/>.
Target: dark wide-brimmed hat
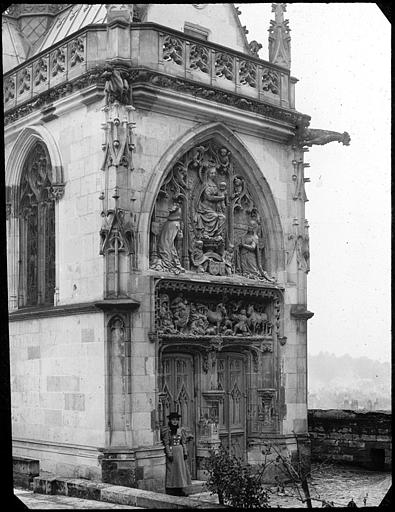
<point x="174" y="415"/>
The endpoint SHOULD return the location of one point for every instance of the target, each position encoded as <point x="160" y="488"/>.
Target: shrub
<point x="236" y="483"/>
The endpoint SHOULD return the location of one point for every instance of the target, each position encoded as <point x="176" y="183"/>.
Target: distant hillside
<point x="331" y="379"/>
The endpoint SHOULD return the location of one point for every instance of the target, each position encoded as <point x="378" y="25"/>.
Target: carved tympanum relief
<point x="206" y="219"/>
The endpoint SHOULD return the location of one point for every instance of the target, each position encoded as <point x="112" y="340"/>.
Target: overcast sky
<point x="341" y="55"/>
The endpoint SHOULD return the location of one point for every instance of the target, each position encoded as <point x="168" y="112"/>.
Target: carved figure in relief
<point x="207" y="218"/>
<point x="199" y="259"/>
<point x="241" y="326"/>
<point x="228" y="258"/>
<point x="221" y="205"/>
<point x="256" y="321"/>
<point x="116" y="87"/>
<point x="199" y="322"/>
<point x="181" y="311"/>
<point x="249" y="252"/>
<point x="171" y="231"/>
<point x="224" y="158"/>
<point x="118" y="336"/>
<point x="302" y="253"/>
<point x="165" y="316"/>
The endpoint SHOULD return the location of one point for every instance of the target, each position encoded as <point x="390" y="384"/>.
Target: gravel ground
<point x="332" y="483"/>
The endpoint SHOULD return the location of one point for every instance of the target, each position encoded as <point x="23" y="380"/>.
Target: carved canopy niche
<point x="208" y="217"/>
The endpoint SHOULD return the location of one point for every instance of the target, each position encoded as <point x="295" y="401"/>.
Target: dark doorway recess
<point x="377" y="456"/>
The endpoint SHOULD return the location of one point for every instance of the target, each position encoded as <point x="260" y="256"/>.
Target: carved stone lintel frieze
<point x="181" y="316"/>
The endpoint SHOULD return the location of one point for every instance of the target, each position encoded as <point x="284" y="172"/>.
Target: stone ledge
<point x="98" y="491"/>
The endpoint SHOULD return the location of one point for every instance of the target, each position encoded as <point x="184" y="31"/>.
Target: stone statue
<point x="171" y="231"/>
<point x="228" y="258"/>
<point x="209" y="221"/>
<point x="320" y="137"/>
<point x="198" y="258"/>
<point x="302" y="253"/>
<point x="249" y="252"/>
<point x="254" y="47"/>
<point x="116" y="87"/>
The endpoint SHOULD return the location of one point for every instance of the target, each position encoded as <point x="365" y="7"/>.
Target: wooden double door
<point x="232" y="409"/>
<point x="181" y="390"/>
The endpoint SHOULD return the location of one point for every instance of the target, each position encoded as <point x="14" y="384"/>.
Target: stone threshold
<point x="88" y="489"/>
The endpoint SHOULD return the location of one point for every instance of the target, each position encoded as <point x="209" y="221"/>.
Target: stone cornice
<point x="159" y="81"/>
<point x="80" y="308"/>
<point x="244" y="288"/>
<point x="197" y="90"/>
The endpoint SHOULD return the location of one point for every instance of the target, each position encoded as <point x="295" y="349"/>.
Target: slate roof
<point x="69" y="19"/>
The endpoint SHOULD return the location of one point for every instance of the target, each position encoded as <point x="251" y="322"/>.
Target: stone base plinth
<point x="119" y="467"/>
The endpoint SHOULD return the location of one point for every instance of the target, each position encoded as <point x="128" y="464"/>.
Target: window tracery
<point x="37" y="230"/>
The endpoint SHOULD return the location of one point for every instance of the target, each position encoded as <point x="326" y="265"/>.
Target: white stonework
<point x="88" y="371"/>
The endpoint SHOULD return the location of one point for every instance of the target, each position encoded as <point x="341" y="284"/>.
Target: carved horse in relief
<point x="256" y="321"/>
<point x="217" y="317"/>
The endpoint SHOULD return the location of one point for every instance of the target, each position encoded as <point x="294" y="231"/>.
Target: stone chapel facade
<point x="157" y="246"/>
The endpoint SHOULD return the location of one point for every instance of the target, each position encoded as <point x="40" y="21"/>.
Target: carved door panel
<point x="232" y="411"/>
<point x="177" y="394"/>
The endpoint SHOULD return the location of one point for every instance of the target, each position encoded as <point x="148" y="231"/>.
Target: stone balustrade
<point x="152" y="47"/>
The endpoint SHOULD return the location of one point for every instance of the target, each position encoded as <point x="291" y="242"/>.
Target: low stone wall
<point x="24" y="471"/>
<point x="361" y="438"/>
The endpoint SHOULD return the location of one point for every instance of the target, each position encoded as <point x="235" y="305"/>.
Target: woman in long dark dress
<point x="174" y="439"/>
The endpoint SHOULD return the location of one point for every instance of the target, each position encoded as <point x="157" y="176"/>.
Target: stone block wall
<point x="361" y="438"/>
<point x="57" y="385"/>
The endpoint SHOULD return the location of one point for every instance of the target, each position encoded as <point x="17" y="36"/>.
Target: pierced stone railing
<point x="155" y="48"/>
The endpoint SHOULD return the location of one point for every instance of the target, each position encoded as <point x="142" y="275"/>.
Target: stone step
<point x="197" y="487"/>
<point x="24" y="470"/>
<point x="88" y="489"/>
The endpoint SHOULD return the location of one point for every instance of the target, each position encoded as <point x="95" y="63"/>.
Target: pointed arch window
<point x="37" y="230"/>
